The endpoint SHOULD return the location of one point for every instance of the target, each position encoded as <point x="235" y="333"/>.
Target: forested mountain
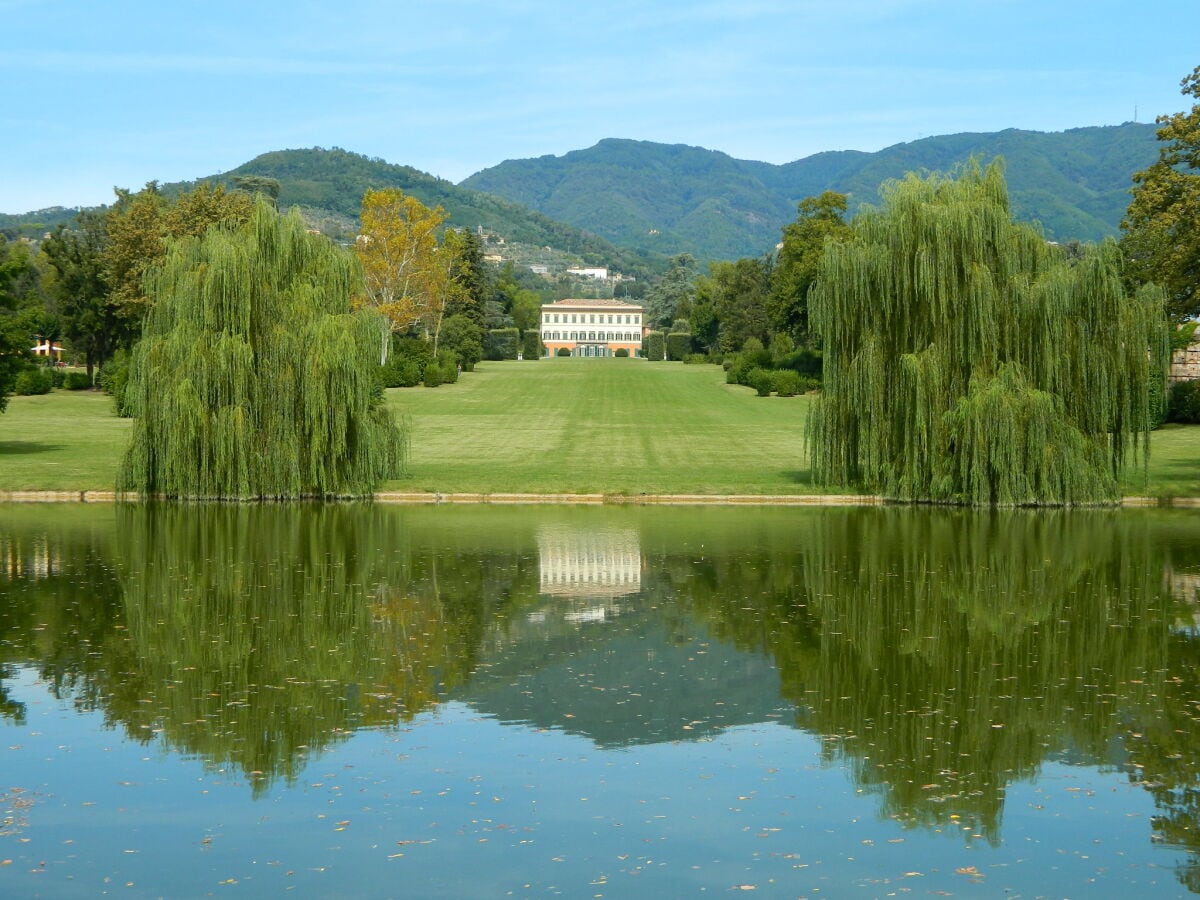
<point x="673" y="198"/>
<point x="626" y="202"/>
<point x="328" y="186"/>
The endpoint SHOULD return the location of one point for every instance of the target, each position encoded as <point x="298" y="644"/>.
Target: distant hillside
<point x="672" y="198"/>
<point x="328" y="186"/>
<point x="34" y="224"/>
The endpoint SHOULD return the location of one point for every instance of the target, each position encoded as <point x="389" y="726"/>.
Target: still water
<point x="357" y="701"/>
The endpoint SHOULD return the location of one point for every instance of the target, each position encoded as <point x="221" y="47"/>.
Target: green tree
<point x="254" y="378"/>
<point x="256" y="185"/>
<point x="470" y="272"/>
<point x="671" y="296"/>
<point x="138" y="228"/>
<point x="526" y="310"/>
<point x="737" y="292"/>
<point x="820" y="218"/>
<point x="94" y="325"/>
<point x="1161" y="240"/>
<point x="967" y="361"/>
<point x="135" y="235"/>
<point x="14" y="340"/>
<point x="464" y="337"/>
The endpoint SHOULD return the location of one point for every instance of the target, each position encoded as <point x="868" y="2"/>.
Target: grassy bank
<point x="555" y="426"/>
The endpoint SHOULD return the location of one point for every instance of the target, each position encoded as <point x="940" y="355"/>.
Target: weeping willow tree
<point x="254" y="379"/>
<point x="969" y="361"/>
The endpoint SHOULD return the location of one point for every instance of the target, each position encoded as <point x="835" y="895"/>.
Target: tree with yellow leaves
<point x="406" y="275"/>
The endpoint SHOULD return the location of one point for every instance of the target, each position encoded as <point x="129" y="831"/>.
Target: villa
<point x="592" y="327"/>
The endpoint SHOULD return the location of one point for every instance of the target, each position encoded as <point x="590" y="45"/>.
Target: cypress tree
<point x="254" y="378"/>
<point x="968" y="361"/>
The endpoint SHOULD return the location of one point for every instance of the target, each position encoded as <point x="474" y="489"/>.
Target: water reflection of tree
<point x="942" y="655"/>
<point x="261" y="634"/>
<point x="58" y="598"/>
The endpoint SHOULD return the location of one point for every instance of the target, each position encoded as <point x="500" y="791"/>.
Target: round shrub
<point x="34" y="381"/>
<point x="77" y="381"/>
<point x="622" y="352"/>
<point x="563" y="351"/>
<point x="786" y="382"/>
<point x="761" y="380"/>
<point x="1184" y="405"/>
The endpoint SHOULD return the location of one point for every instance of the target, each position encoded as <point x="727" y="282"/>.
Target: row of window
<point x="627" y="337"/>
<point x="590" y="318"/>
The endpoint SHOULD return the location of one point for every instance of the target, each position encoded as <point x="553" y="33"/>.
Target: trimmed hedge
<point x="654" y="346"/>
<point x="501" y="343"/>
<point x="622" y="352"/>
<point x="1184" y="405"/>
<point x="679" y="344"/>
<point x="563" y="351"/>
<point x="531" y="344"/>
<point x="77" y="381"/>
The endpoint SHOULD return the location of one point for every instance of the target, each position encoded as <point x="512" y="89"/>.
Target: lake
<point x="373" y="701"/>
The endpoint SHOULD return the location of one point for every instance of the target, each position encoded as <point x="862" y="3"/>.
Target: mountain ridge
<point x="628" y="204"/>
<point x="669" y="198"/>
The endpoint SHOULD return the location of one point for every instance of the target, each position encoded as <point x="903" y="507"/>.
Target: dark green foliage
<point x="1162" y="225"/>
<point x="531" y="344"/>
<point x="400" y="371"/>
<point x="804" y="362"/>
<point x="77" y="381"/>
<point x="14" y="353"/>
<point x="443" y="369"/>
<point x="501" y="343"/>
<point x="654" y="346"/>
<point x="675" y="199"/>
<point x="819" y="219"/>
<point x="254" y="379"/>
<point x="95" y="326"/>
<point x="113" y="379"/>
<point x="679" y="345"/>
<point x="461" y="334"/>
<point x="1184" y="403"/>
<point x="34" y="380"/>
<point x="968" y="361"/>
<point x="620" y="352"/>
<point x="563" y="351"/>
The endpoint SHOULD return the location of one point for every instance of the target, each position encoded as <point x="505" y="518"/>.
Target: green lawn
<point x="61" y="441"/>
<point x="603" y="425"/>
<point x="555" y="426"/>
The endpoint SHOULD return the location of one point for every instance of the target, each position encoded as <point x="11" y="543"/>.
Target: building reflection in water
<point x="587" y="564"/>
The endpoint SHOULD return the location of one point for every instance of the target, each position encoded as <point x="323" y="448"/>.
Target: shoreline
<point x="423" y="498"/>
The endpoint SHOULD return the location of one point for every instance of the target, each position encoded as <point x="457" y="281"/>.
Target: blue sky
<point x="103" y="94"/>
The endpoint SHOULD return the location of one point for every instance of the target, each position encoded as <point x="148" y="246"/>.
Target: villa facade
<point x="592" y="327"/>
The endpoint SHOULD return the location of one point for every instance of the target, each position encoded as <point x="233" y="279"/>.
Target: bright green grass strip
<point x="603" y="426"/>
<point x="552" y="426"/>
<point x="61" y="441"/>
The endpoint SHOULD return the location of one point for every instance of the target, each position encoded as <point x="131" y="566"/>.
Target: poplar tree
<point x="254" y="378"/>
<point x="968" y="361"/>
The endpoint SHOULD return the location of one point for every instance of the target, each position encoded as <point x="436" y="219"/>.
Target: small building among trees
<point x="592" y="327"/>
